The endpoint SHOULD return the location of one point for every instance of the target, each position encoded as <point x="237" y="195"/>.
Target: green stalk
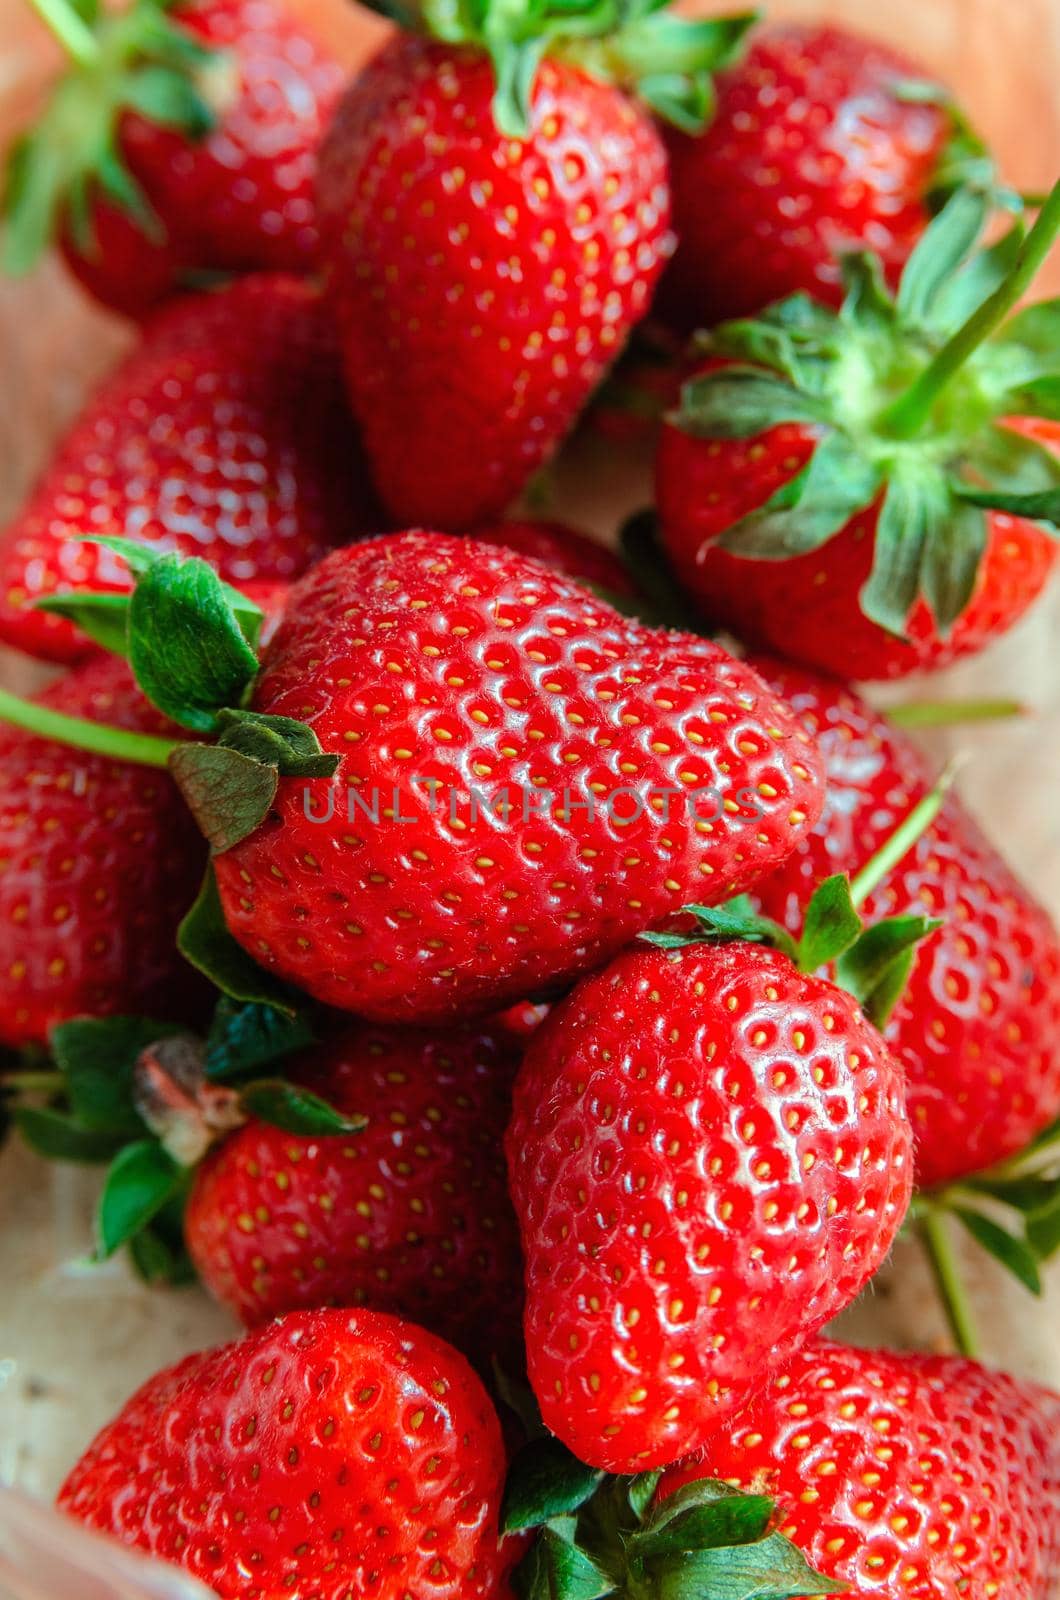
<point x="902" y="840"/>
<point x="75" y="36"/>
<point x="96" y="737"/>
<point x="910" y="412"/>
<point x="935" y="1237"/>
<point x="32" y="1082"/>
<point x="948" y="713"/>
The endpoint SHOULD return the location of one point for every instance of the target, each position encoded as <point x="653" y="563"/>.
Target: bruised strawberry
<point x="224" y="434"/>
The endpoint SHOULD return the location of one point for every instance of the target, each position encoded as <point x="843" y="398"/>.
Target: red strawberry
<point x="410" y="1215"/>
<point x="574" y="554"/>
<point x="492" y="230"/>
<point x="456" y="682"/>
<point x="977" y="1028"/>
<point x="194" y="147"/>
<point x="329" y="1454"/>
<point x="224" y="434"/>
<point x="709" y="1159"/>
<point x="903" y="1477"/>
<point x="816" y="148"/>
<point x="98" y="862"/>
<point x="864" y="492"/>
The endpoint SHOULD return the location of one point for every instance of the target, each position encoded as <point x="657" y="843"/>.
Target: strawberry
<point x="410" y="1215"/>
<point x="865" y="491"/>
<point x="575" y="554"/>
<point x="709" y="1158"/>
<point x="822" y="143"/>
<point x="98" y="861"/>
<point x="224" y="433"/>
<point x="902" y="1475"/>
<point x="494" y="216"/>
<point x="515" y="789"/>
<point x="180" y="141"/>
<point x="329" y="1454"/>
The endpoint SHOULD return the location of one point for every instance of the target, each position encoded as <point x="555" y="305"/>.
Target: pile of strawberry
<point x="533" y="1020"/>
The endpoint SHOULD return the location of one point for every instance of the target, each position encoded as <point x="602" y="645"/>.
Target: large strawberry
<point x="709" y="1158"/>
<point x="180" y="140"/>
<point x="495" y="214"/>
<point x="99" y="860"/>
<point x="822" y="142"/>
<point x="330" y="1454"/>
<point x="224" y="434"/>
<point x="575" y="554"/>
<point x="868" y="491"/>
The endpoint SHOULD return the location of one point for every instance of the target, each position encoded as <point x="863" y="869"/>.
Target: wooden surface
<point x="73" y="1343"/>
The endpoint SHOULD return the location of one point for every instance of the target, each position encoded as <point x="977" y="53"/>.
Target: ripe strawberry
<point x="179" y="141"/>
<point x="902" y="1475"/>
<point x="492" y="230"/>
<point x="329" y="1454"/>
<point x="817" y="147"/>
<point x="812" y="511"/>
<point x="709" y="1158"/>
<point x="224" y="434"/>
<point x="98" y="862"/>
<point x="516" y="790"/>
<point x="575" y="554"/>
<point x="977" y="1028"/>
<point x="409" y="1215"/>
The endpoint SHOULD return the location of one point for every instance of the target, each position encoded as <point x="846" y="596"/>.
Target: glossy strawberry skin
<point x="331" y="1453"/>
<point x="454" y="679"/>
<point x="99" y="860"/>
<point x="411" y="1215"/>
<point x="224" y="434"/>
<point x="807" y="607"/>
<point x="241" y="199"/>
<point x="977" y="1029"/>
<point x="906" y="1477"/>
<point x="709" y="1158"/>
<point x="574" y="554"/>
<point x="811" y="153"/>
<point x="483" y="284"/>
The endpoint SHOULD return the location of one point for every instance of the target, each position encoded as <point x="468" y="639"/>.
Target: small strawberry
<point x="867" y="491"/>
<point x="327" y="1455"/>
<point x="822" y="143"/>
<point x="411" y="1214"/>
<point x="181" y="140"/>
<point x="99" y="860"/>
<point x="575" y="554"/>
<point x="494" y="216"/>
<point x="709" y="1158"/>
<point x="901" y="1476"/>
<point x="223" y="434"/>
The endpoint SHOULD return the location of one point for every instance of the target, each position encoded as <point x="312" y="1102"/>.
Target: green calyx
<point x="135" y="60"/>
<point x="668" y="61"/>
<point x="148" y="1099"/>
<point x="907" y="395"/>
<point x="872" y="962"/>
<point x="598" y="1535"/>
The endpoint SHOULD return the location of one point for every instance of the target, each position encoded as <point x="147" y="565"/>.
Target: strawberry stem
<point x="901" y="840"/>
<point x="75" y="36"/>
<point x="907" y="415"/>
<point x="81" y="734"/>
<point x="948" y="713"/>
<point x="938" y="1246"/>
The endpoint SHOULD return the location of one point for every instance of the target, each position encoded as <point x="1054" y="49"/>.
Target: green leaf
<point x="735" y="919"/>
<point x="1036" y="329"/>
<point x="702" y="1516"/>
<point x="1042" y="506"/>
<point x="142" y="1179"/>
<point x="939" y="253"/>
<point x="157" y="1252"/>
<point x="545" y="1481"/>
<point x="740" y="402"/>
<point x="868" y="302"/>
<point x="956" y="300"/>
<point x="911" y="514"/>
<point x="103" y="617"/>
<point x="641" y="1493"/>
<point x="244" y="1038"/>
<point x="186" y="646"/>
<point x="204" y="940"/>
<point x="170" y="99"/>
<point x="515" y="64"/>
<point x="296" y="1110"/>
<point x="555" y="1569"/>
<point x="1012" y="1252"/>
<point x="1043" y="1228"/>
<point x="816" y="503"/>
<point x="1038" y="398"/>
<point x="228" y="794"/>
<point x="773" y="1569"/>
<point x="97" y="1057"/>
<point x="57" y="1136"/>
<point x="290" y="745"/>
<point x="685" y="103"/>
<point x="949" y="565"/>
<point x="831" y="926"/>
<point x="876" y="968"/>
